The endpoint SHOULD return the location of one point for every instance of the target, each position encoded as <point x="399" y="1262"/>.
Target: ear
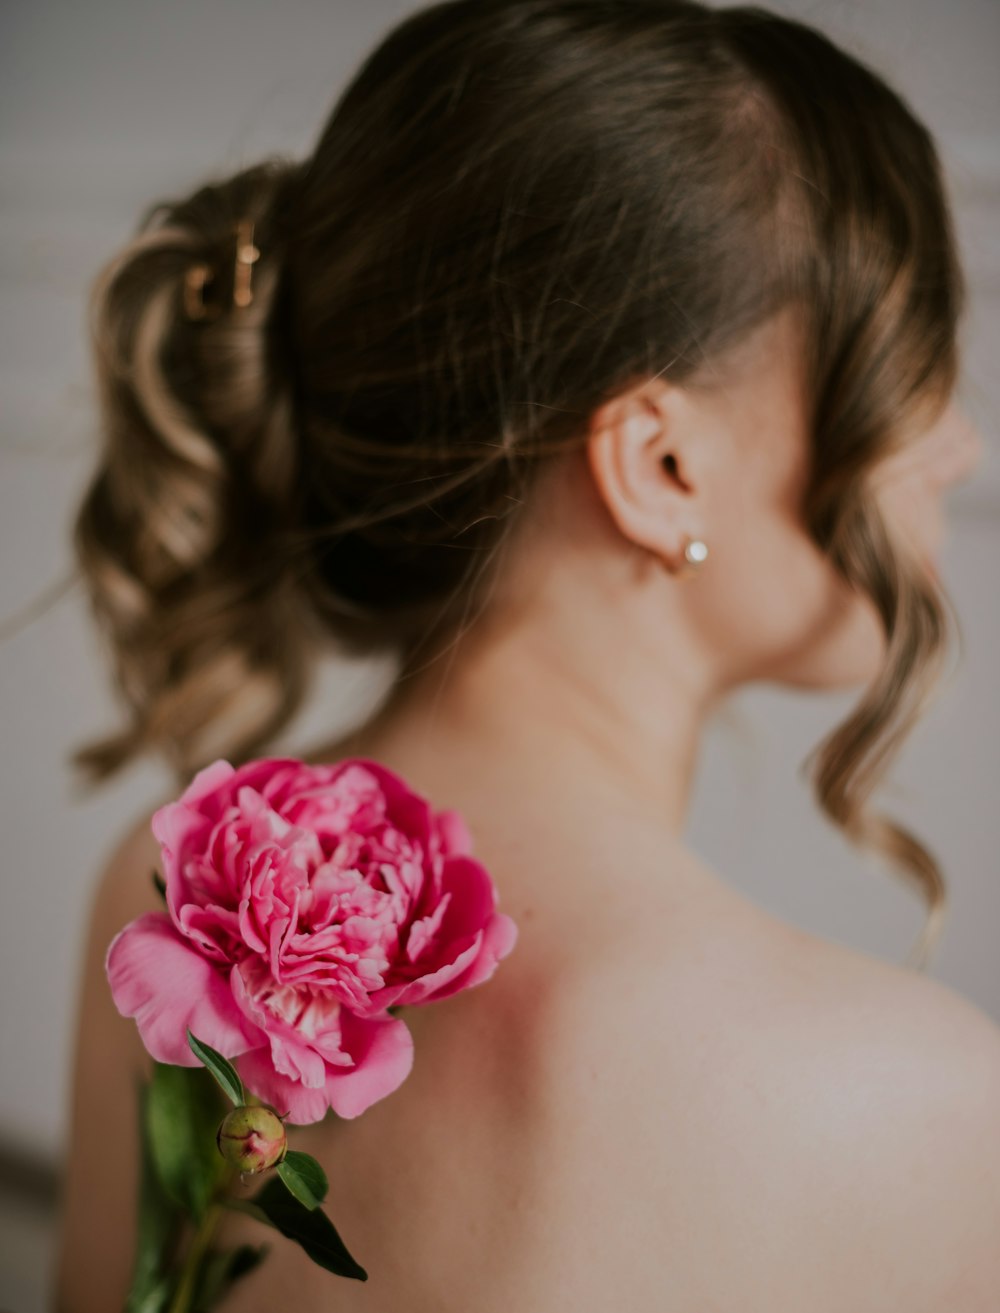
<point x="636" y="450"/>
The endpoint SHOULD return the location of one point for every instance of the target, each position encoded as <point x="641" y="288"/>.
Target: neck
<point x="553" y="710"/>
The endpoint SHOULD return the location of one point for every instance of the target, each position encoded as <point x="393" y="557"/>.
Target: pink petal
<point x="174" y="821"/>
<point x="499" y="938"/>
<point x="259" y="773"/>
<point x="208" y="780"/>
<point x="406" y="809"/>
<point x="383" y="1053"/>
<point x="423" y="931"/>
<point x="211" y="928"/>
<point x="301" y="1103"/>
<point x="431" y="983"/>
<point x="156" y="977"/>
<point x="473" y="897"/>
<point x="305" y="1041"/>
<point x="177" y="827"/>
<point x="455" y="835"/>
<point x="383" y="1056"/>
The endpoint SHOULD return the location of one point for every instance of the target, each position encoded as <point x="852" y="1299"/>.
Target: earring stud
<point x="695" y="552"/>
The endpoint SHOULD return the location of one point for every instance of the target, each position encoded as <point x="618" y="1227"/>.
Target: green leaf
<point x="155" y="1300"/>
<point x="221" y="1068"/>
<point x="161" y="886"/>
<point x="310" y="1228"/>
<point x="158" y="1223"/>
<point x="183" y="1115"/>
<point x="221" y="1270"/>
<point x="304" y="1177"/>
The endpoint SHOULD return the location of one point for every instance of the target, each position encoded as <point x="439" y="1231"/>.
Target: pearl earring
<point x="695" y="552"/>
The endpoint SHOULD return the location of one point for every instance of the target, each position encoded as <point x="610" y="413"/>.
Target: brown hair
<point x="516" y="209"/>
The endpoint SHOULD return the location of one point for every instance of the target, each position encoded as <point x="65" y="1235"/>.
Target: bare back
<point x="661" y="1107"/>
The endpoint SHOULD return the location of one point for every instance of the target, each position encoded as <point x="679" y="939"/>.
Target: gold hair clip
<point x="195" y="305"/>
<point x="195" y="278"/>
<point x="246" y="256"/>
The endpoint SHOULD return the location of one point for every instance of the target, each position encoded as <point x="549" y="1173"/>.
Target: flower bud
<point x="252" y="1138"/>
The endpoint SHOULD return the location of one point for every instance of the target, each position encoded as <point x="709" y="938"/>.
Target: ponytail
<point x="203" y="622"/>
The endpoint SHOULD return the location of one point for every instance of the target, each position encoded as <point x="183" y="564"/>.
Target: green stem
<point x="184" y="1294"/>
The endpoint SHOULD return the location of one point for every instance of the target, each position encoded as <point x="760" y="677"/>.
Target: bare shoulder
<point x="97" y="1208"/>
<point x="125" y="874"/>
<point x="914" y="1075"/>
<point x="803" y="1123"/>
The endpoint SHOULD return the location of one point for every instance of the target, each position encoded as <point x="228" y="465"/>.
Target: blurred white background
<point x="109" y="105"/>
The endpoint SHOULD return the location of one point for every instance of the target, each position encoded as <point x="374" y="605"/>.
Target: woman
<point x="599" y="361"/>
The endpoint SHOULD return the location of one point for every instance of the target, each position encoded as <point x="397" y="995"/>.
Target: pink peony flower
<point x="303" y="902"/>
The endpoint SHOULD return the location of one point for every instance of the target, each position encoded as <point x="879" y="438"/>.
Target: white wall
<point x="107" y="105"/>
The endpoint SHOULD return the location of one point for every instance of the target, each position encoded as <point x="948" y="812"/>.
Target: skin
<point x="665" y="1098"/>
